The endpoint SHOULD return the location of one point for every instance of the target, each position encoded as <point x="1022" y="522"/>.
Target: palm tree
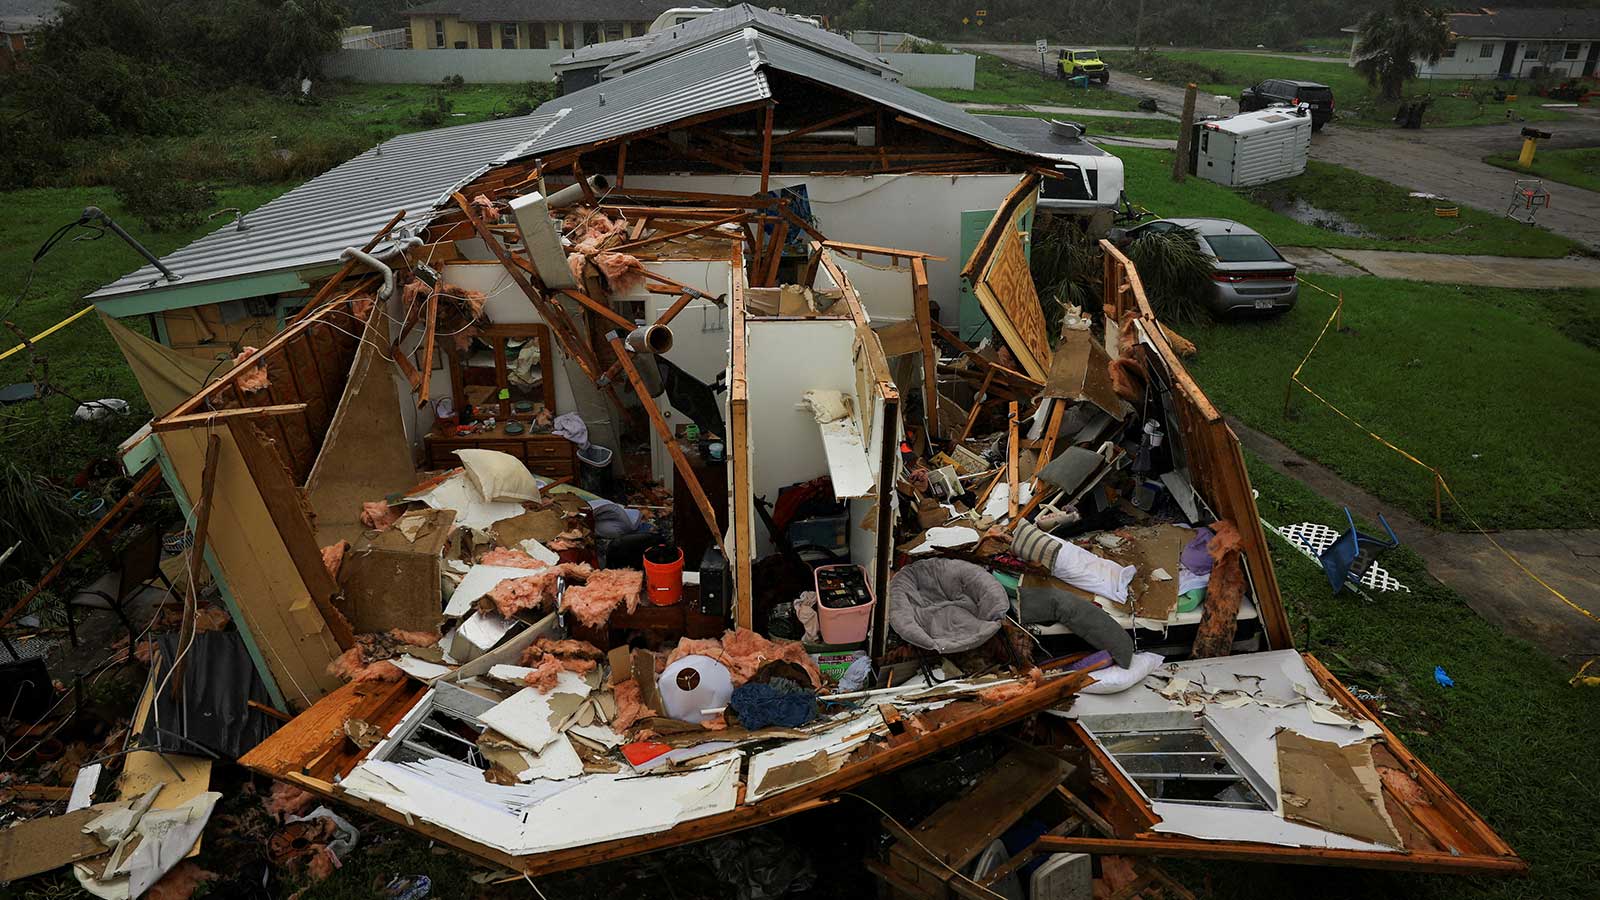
<point x="1392" y="40"/>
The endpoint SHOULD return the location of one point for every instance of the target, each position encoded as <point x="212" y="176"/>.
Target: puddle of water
<point x="1301" y="211"/>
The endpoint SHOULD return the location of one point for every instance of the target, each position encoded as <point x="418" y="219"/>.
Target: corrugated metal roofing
<point x="712" y="76"/>
<point x="662" y="44"/>
<point x="344" y="206"/>
<point x="727" y="72"/>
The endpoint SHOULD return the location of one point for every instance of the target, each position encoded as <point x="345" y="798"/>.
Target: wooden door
<point x="485" y="36"/>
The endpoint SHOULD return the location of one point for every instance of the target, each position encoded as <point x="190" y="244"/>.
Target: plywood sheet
<point x="1009" y="299"/>
<point x="365" y="455"/>
<point x="48" y="842"/>
<point x="1333" y="787"/>
<point x="386" y="589"/>
<point x="1080" y="370"/>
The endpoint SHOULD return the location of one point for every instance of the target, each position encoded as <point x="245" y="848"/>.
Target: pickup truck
<point x="1071" y="63"/>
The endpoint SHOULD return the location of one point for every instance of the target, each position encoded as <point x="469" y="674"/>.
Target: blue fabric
<point x="778" y="702"/>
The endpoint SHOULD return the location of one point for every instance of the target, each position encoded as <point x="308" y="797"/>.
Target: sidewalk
<point x="1450" y="268"/>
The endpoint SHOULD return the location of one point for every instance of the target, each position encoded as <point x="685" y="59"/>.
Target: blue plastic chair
<point x="1349" y="557"/>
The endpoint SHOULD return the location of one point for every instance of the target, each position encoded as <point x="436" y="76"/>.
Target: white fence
<point x="427" y="66"/>
<point x="955" y="70"/>
<point x="935" y="70"/>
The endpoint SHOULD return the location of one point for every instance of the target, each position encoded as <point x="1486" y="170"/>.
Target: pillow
<point x="1116" y="679"/>
<point x="499" y="476"/>
<point x="1083" y="618"/>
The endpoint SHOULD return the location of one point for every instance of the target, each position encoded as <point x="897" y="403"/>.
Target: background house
<point x="19" y="19"/>
<point x="1515" y="43"/>
<point x="529" y="24"/>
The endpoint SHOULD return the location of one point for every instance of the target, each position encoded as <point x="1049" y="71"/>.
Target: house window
<point x="438" y="32"/>
<point x="641" y="28"/>
<point x="1533" y="50"/>
<point x="1572" y="51"/>
<point x="614" y="31"/>
<point x="508" y="37"/>
<point x="591" y="33"/>
<point x="1450" y="52"/>
<point x="1185" y="765"/>
<point x="566" y="36"/>
<point x="1486" y="50"/>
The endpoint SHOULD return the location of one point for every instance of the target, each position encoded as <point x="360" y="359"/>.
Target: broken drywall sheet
<point x="478" y="581"/>
<point x="1333" y="787"/>
<point x="531" y="717"/>
<point x="159" y="838"/>
<point x="1256" y="825"/>
<point x="831" y="742"/>
<point x="49" y="842"/>
<point x="848" y="464"/>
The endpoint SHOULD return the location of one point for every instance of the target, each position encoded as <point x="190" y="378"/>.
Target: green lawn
<point x="1511" y="737"/>
<point x="1578" y="166"/>
<point x="1002" y="83"/>
<point x="1151" y="128"/>
<point x="1478" y="382"/>
<point x="1390" y="219"/>
<point x="1224" y="72"/>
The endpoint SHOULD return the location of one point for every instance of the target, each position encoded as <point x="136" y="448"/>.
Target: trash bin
<point x="844" y="604"/>
<point x="595" y="471"/>
<point x="663" y="575"/>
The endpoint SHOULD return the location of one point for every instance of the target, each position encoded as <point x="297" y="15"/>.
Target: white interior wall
<point x="783" y="360"/>
<point x="885" y="290"/>
<point x="906" y="212"/>
<point x="507" y="305"/>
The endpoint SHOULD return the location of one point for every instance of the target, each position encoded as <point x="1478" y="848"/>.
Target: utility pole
<point x="1180" y="159"/>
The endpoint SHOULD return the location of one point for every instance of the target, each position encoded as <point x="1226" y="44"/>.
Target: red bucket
<point x="663" y="575"/>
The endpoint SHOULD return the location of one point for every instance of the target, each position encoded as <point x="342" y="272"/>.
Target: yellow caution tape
<point x="52" y="329"/>
<point x="1438" y="476"/>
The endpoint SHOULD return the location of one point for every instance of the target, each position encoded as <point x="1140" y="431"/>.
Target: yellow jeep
<point x="1083" y="62"/>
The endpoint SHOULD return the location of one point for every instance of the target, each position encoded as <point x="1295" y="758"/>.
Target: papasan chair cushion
<point x="946" y="605"/>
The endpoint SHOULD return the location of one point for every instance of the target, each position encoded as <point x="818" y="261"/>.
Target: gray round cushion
<point x="947" y="605"/>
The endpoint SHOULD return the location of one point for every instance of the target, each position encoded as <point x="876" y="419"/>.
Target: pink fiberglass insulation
<point x="361" y="306"/>
<point x="744" y="652"/>
<point x="535" y="591"/>
<point x="623" y="272"/>
<point x="630" y="706"/>
<point x="718" y="722"/>
<point x="288" y="800"/>
<point x="544" y="675"/>
<point x="181" y="882"/>
<point x="602" y="592"/>
<point x="415" y="638"/>
<point x="378" y="515"/>
<point x="350" y="667"/>
<point x="566" y="649"/>
<point x="251" y="379"/>
<point x="333" y="558"/>
<point x="500" y="556"/>
<point x="485" y="209"/>
<point x="471" y="301"/>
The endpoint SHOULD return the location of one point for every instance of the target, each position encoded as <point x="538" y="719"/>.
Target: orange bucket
<point x="663" y="574"/>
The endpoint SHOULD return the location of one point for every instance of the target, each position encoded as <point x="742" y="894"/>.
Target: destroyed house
<point x="751" y="274"/>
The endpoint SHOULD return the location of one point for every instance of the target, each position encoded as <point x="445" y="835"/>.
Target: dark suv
<point x="1281" y="90"/>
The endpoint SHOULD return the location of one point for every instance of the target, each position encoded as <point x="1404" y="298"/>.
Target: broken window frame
<point x="1237" y="769"/>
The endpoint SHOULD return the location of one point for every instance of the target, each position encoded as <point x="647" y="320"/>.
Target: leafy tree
<point x="1393" y="39"/>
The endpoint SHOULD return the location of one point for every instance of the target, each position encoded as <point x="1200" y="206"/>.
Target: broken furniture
<point x="134" y="565"/>
<point x="1528" y="196"/>
<point x="1349" y="557"/>
<point x="550" y="455"/>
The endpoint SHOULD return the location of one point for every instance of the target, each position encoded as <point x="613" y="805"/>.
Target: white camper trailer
<point x="1253" y="147"/>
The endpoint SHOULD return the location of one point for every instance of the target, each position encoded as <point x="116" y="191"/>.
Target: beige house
<point x="528" y="24"/>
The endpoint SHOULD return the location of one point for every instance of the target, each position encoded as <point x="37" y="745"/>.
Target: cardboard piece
<point x="900" y="338"/>
<point x="800" y="771"/>
<point x="1079" y="371"/>
<point x="542" y="525"/>
<point x="49" y="842"/>
<point x="644" y="672"/>
<point x="1332" y="787"/>
<point x="1154" y="550"/>
<point x="386" y="589"/>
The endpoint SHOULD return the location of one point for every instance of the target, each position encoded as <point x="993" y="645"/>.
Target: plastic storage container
<point x="845" y="603"/>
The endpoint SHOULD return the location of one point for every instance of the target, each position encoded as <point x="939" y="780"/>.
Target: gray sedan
<point x="1250" y="276"/>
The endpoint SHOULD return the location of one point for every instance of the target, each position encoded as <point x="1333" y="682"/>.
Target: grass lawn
<point x="1000" y="83"/>
<point x="1478" y="382"/>
<point x="1224" y="72"/>
<point x="1387" y="217"/>
<point x="1577" y="166"/>
<point x="1151" y="128"/>
<point x="1511" y="737"/>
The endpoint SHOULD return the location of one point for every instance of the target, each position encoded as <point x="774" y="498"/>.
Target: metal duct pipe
<point x="356" y="254"/>
<point x="651" y="339"/>
<point x="863" y="136"/>
<point x="572" y="193"/>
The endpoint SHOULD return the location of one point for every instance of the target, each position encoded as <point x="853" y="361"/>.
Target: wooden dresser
<point x="549" y="455"/>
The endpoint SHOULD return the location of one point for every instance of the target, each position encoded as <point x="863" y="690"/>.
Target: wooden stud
<point x="1012" y="488"/>
<point x="930" y="360"/>
<point x="430" y="333"/>
<point x="977" y="406"/>
<point x="738" y="449"/>
<point x="766" y="147"/>
<point x="196" y="553"/>
<point x="178" y="423"/>
<point x="601" y="309"/>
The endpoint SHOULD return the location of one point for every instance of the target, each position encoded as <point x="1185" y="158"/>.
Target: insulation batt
<point x="181" y="882"/>
<point x="288" y="800"/>
<point x="827" y="406"/>
<point x="378" y="515"/>
<point x="254" y="378"/>
<point x="1001" y="693"/>
<point x="744" y="652"/>
<point x="550" y="657"/>
<point x="361" y="306"/>
<point x="1128" y="378"/>
<point x="544" y="674"/>
<point x="630" y="706"/>
<point x="333" y="558"/>
<point x="1224" y="593"/>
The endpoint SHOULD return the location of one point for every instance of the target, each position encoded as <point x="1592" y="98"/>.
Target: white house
<point x="1514" y="43"/>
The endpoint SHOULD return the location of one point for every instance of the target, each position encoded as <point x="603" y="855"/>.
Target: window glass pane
<point x="1486" y="50"/>
<point x="1241" y="248"/>
<point x="1572" y="51"/>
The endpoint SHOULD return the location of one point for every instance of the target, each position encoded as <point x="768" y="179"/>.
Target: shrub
<point x="534" y="94"/>
<point x="433" y="114"/>
<point x="453" y="82"/>
<point x="1175" y="272"/>
<point x="161" y="196"/>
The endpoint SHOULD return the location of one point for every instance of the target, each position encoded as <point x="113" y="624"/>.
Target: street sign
<point x="1041" y="45"/>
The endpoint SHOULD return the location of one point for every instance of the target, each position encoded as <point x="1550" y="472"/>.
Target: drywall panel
<point x="783" y="360"/>
<point x="906" y="212"/>
<point x="885" y="290"/>
<point x="699" y="339"/>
